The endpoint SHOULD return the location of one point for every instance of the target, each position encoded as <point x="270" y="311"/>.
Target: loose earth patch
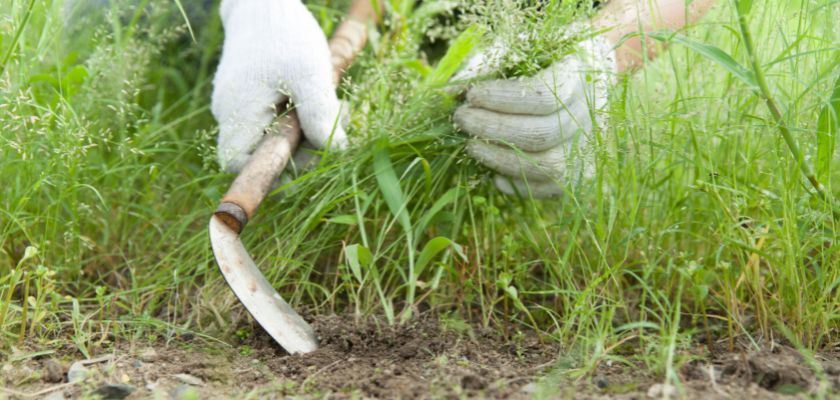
<point x="425" y="358"/>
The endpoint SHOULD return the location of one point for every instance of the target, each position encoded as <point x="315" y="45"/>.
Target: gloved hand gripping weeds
<point x="529" y="129"/>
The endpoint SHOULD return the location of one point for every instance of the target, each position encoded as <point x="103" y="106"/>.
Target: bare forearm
<point x="621" y="17"/>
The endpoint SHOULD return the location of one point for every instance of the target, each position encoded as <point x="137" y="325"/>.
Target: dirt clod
<point x="114" y="391"/>
<point x="472" y="382"/>
<point x="148" y="355"/>
<point x="53" y="371"/>
<point x="783" y="370"/>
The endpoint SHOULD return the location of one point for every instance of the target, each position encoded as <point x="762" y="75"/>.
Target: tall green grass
<point x="698" y="222"/>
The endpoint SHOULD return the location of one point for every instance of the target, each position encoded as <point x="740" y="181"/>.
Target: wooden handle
<point x="350" y="37"/>
<point x="283" y="136"/>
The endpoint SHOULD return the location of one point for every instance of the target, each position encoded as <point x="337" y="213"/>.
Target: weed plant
<point x="698" y="220"/>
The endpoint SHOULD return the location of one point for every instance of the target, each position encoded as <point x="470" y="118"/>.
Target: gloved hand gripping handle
<point x="283" y="136"/>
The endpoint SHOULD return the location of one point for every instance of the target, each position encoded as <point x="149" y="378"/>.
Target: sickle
<point x="249" y="189"/>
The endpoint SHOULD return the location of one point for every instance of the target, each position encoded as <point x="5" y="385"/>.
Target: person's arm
<point x="621" y="17"/>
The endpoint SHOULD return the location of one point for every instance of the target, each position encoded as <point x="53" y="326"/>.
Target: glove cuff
<point x="597" y="51"/>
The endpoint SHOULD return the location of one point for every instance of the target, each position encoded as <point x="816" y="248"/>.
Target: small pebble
<point x="408" y="352"/>
<point x="601" y="382"/>
<point x="662" y="391"/>
<point x="114" y="391"/>
<point x="77" y="372"/>
<point x="59" y="395"/>
<point x="53" y="371"/>
<point x="152" y="386"/>
<point x="148" y="355"/>
<point x="530" y="388"/>
<point x="190" y="379"/>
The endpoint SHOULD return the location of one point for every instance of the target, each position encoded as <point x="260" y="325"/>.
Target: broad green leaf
<point x="419" y="67"/>
<point x="744" y="7"/>
<point x="431" y="249"/>
<point x="828" y="126"/>
<point x="441" y="202"/>
<point x="77" y="75"/>
<point x="513" y="294"/>
<point x="345" y="219"/>
<point x="406" y="7"/>
<point x="455" y="56"/>
<point x="48" y="78"/>
<point x="73" y="80"/>
<point x="389" y="184"/>
<point x="427" y="171"/>
<point x="324" y="208"/>
<point x="637" y="325"/>
<point x="29" y="253"/>
<point x="357" y="256"/>
<point x="504" y="280"/>
<point x="430" y="9"/>
<point x="710" y="52"/>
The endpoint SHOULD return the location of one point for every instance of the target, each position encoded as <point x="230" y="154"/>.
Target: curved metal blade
<point x="257" y="294"/>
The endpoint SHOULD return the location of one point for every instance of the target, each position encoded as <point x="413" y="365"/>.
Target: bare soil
<point x="426" y="358"/>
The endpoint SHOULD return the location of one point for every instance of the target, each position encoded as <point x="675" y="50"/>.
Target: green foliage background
<point x="698" y="220"/>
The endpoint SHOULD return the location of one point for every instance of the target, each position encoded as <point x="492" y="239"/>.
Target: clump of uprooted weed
<point x="535" y="33"/>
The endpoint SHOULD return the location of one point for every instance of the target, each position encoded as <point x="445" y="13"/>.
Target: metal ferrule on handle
<point x="252" y="184"/>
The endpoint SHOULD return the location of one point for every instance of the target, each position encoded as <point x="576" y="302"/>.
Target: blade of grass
<point x="756" y="80"/>
<point x="828" y="126"/>
<point x="712" y="53"/>
<point x="357" y="256"/>
<point x="455" y="56"/>
<point x="18" y="33"/>
<point x="389" y="185"/>
<point x="186" y="20"/>
<point x="775" y="110"/>
<point x="433" y="248"/>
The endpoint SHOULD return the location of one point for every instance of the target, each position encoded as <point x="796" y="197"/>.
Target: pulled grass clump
<point x="696" y="220"/>
<point x="535" y="33"/>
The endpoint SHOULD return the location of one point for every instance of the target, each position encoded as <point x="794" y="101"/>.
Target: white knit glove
<point x="273" y="49"/>
<point x="531" y="129"/>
